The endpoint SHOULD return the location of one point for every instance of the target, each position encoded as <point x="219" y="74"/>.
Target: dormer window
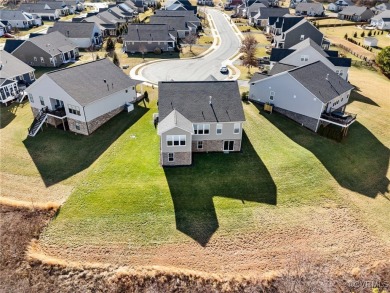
<point x="304" y="58"/>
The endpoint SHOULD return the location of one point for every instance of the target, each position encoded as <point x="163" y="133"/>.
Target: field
<point x="290" y="192"/>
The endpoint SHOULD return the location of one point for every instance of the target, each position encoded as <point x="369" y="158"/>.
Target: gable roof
<point x="353" y="10"/>
<point x="258" y="76"/>
<point x="309" y="43"/>
<point x="211" y="78"/>
<point x="92" y="86"/>
<point x="73" y="29"/>
<point x="5" y="81"/>
<point x="53" y="43"/>
<point x="147" y="32"/>
<point x="309" y="6"/>
<point x="278" y="54"/>
<point x="280" y="67"/>
<point x="284" y="22"/>
<point x="12" y="66"/>
<point x="266" y="12"/>
<point x="192" y="100"/>
<point x="186" y="13"/>
<point x="174" y="119"/>
<point x="35" y="8"/>
<point x="12" y="45"/>
<point x="383" y="15"/>
<point x="13" y="15"/>
<point x="173" y="22"/>
<point x="321" y="81"/>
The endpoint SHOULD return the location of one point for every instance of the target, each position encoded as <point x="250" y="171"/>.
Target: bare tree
<point x="142" y="49"/>
<point x="190" y="40"/>
<point x="248" y="48"/>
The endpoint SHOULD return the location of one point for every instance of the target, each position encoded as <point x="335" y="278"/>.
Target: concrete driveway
<point x="198" y="68"/>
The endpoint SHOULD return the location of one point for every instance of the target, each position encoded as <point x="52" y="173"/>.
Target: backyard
<point x="289" y="192"/>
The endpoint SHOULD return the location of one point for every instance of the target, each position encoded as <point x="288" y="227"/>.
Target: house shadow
<point x="358" y="97"/>
<point x="59" y="154"/>
<point x="358" y="163"/>
<point x="8" y="113"/>
<point x="241" y="176"/>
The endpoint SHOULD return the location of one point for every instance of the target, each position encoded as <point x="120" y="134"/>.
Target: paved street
<point x="201" y="68"/>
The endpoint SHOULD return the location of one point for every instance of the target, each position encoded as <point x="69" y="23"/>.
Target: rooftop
<point x="73" y="29"/>
<point x="11" y="66"/>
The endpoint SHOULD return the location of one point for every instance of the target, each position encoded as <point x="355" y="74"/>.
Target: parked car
<point x="224" y="69"/>
<point x="8" y="36"/>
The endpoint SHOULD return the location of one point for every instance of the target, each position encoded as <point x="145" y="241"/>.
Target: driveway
<point x="199" y="68"/>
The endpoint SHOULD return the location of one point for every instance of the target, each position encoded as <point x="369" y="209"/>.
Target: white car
<point x="224" y="69"/>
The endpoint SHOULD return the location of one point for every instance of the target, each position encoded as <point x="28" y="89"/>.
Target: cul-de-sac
<point x="195" y="146"/>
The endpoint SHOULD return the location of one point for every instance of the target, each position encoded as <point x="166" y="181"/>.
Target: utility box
<point x="129" y="107"/>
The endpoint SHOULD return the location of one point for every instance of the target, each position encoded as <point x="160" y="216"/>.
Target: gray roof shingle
<point x="173" y="22"/>
<point x="12" y="15"/>
<point x="147" y="32"/>
<point x="12" y="66"/>
<point x="278" y="54"/>
<point x="192" y="100"/>
<point x="73" y="29"/>
<point x="53" y="43"/>
<point x="321" y="81"/>
<point x="265" y="12"/>
<point x="92" y="86"/>
<point x="280" y="67"/>
<point x="353" y="10"/>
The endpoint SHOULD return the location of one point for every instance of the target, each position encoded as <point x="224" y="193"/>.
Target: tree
<point x="383" y="60"/>
<point x="110" y="45"/>
<point x="362" y="34"/>
<point x="355" y="34"/>
<point x="346" y="36"/>
<point x="248" y="48"/>
<point x="142" y="49"/>
<point x="158" y="5"/>
<point x="115" y="59"/>
<point x="190" y="40"/>
<point x="369" y="34"/>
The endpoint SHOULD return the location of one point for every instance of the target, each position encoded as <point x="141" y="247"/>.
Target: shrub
<point x="157" y="51"/>
<point x="369" y="34"/>
<point x="115" y="59"/>
<point x="110" y="45"/>
<point x="362" y="34"/>
<point x="244" y="96"/>
<point x="355" y="35"/>
<point x="346" y="36"/>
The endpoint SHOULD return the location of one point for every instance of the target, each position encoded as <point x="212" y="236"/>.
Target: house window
<point x="176" y="140"/>
<point x="236" y="128"/>
<point x="228" y="145"/>
<point x="74" y="110"/>
<point x="42" y="101"/>
<point x="304" y="58"/>
<point x="302" y="37"/>
<point x="200" y="144"/>
<point x="35" y="59"/>
<point x="32" y="76"/>
<point x="42" y="60"/>
<point x="271" y="95"/>
<point x="219" y="129"/>
<point x="51" y="61"/>
<point x="201" y="128"/>
<point x="171" y="157"/>
<point x="339" y="72"/>
<point x="30" y="97"/>
<point x="77" y="125"/>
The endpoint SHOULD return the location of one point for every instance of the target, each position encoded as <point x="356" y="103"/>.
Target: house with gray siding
<point x="19" y="19"/>
<point x="307" y="52"/>
<point x="80" y="98"/>
<point x="177" y="25"/>
<point x="310" y="9"/>
<point x="382" y="20"/>
<point x="356" y="13"/>
<point x="147" y="38"/>
<point x="42" y="10"/>
<point x="198" y="116"/>
<point x="51" y="50"/>
<point x="261" y="16"/>
<point x="82" y="34"/>
<point x="14" y="69"/>
<point x="299" y="32"/>
<point x="311" y="95"/>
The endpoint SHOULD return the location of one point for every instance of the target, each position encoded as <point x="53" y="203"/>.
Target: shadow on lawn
<point x="7" y="114"/>
<point x="60" y="154"/>
<point x="356" y="96"/>
<point x="359" y="163"/>
<point x="241" y="176"/>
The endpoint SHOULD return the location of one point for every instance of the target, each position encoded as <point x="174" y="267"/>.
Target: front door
<point x="228" y="145"/>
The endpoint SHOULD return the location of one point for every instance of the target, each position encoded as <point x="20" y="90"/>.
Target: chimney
<point x="210" y="97"/>
<point x="327" y="76"/>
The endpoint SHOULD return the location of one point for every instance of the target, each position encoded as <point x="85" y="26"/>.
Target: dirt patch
<point x="355" y="48"/>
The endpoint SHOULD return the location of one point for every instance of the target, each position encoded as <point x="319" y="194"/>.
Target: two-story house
<point x="80" y="98"/>
<point x="198" y="116"/>
<point x="15" y="69"/>
<point x="311" y="95"/>
<point x="19" y="19"/>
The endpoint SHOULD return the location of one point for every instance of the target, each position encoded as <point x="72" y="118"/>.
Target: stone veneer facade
<point x="308" y="122"/>
<point x="214" y="146"/>
<point x="180" y="159"/>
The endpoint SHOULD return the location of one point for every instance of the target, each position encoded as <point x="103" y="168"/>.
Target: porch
<point x="343" y="119"/>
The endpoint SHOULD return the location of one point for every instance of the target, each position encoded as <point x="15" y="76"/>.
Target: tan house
<point x="198" y="116"/>
<point x="80" y="98"/>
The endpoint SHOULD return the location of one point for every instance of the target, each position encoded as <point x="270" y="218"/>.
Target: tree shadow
<point x="59" y="154"/>
<point x="358" y="163"/>
<point x="241" y="176"/>
<point x="356" y="96"/>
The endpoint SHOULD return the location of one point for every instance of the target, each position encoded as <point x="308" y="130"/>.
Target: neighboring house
<point x="251" y="10"/>
<point x="381" y="7"/>
<point x="311" y="95"/>
<point x="206" y="2"/>
<point x="370" y="41"/>
<point x="307" y="52"/>
<point x="299" y="32"/>
<point x="260" y="18"/>
<point x="191" y="18"/>
<point x="119" y="13"/>
<point x="42" y="10"/>
<point x="74" y="5"/>
<point x="57" y="5"/>
<point x="19" y="19"/>
<point x="9" y="90"/>
<point x="177" y="25"/>
<point x="198" y="116"/>
<point x="278" y="25"/>
<point x="147" y="38"/>
<point x="83" y="97"/>
<point x="14" y="69"/>
<point x="382" y="20"/>
<point x="51" y="50"/>
<point x="310" y="9"/>
<point x="356" y="13"/>
<point x="337" y="5"/>
<point x="178" y="5"/>
<point x="106" y="27"/>
<point x="294" y="3"/>
<point x="82" y="34"/>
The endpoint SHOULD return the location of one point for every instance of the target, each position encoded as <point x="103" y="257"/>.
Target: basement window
<point x="271" y="95"/>
<point x="171" y="157"/>
<point x="77" y="125"/>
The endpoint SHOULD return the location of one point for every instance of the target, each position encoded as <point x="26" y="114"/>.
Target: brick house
<point x="83" y="97"/>
<point x="198" y="116"/>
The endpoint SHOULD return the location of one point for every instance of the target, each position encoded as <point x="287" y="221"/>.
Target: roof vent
<point x="104" y="80"/>
<point x="210" y="102"/>
<point x="327" y="76"/>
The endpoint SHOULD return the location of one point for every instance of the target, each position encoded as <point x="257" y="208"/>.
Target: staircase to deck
<point x="37" y="123"/>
